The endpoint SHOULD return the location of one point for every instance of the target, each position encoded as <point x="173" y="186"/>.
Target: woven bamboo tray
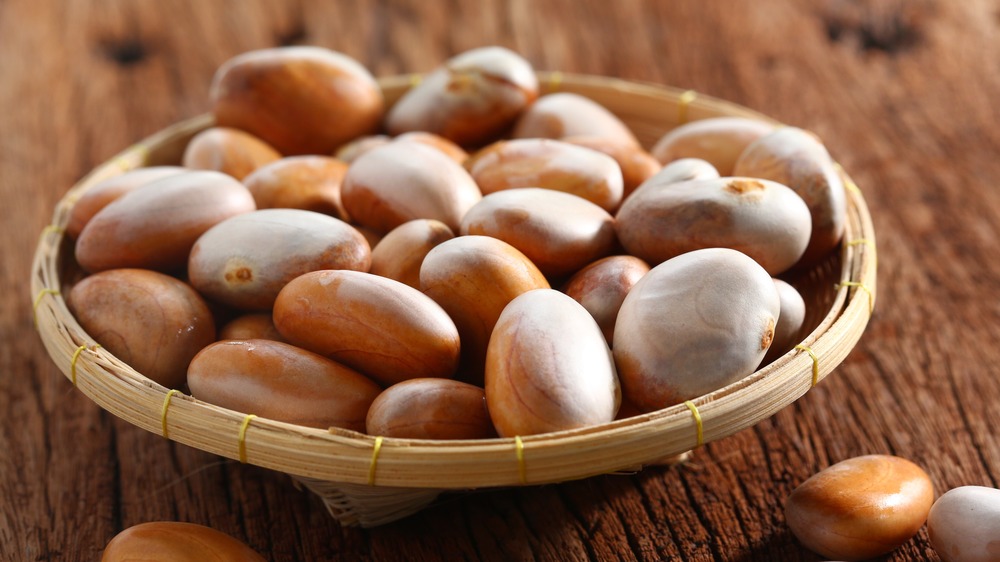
<point x="366" y="480"/>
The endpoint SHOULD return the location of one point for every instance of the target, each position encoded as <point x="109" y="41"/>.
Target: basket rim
<point x="354" y="458"/>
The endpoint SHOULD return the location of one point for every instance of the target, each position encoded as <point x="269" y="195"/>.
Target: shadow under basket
<point x="367" y="480"/>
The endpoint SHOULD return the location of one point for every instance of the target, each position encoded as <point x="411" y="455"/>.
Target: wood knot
<point x="295" y="36"/>
<point x="890" y="29"/>
<point x="125" y="52"/>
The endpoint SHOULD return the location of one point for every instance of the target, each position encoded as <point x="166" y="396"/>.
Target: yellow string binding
<point x="865" y="242"/>
<point x="697" y="422"/>
<point x="72" y="362"/>
<point x="871" y="297"/>
<point x="555" y="80"/>
<point x="815" y="359"/>
<point x="849" y="184"/>
<point x="683" y="102"/>
<point x="163" y="411"/>
<point x="519" y="453"/>
<point x="124" y="163"/>
<point x="52" y="229"/>
<point x="243" y="437"/>
<point x="38" y="301"/>
<point x="374" y="462"/>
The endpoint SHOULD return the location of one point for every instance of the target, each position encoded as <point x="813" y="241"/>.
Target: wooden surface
<point x="904" y="93"/>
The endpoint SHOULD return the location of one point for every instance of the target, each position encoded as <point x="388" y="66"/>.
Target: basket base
<point x="358" y="505"/>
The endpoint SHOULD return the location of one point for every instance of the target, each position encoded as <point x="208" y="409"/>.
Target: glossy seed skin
<point x="310" y="183"/>
<point x="798" y="159"/>
<point x="388" y="331"/>
<point x="431" y="409"/>
<point x="245" y="261"/>
<point x="601" y="288"/>
<point x="473" y="278"/>
<point x="252" y="326"/>
<point x="173" y="541"/>
<point x="471" y="100"/>
<point x="300" y="100"/>
<point x="230" y="151"/>
<point x="692" y="325"/>
<point x="548" y="367"/>
<point x="964" y="524"/>
<point x="636" y="164"/>
<point x="281" y="382"/>
<point x="861" y="507"/>
<point x="565" y="114"/>
<point x="436" y="187"/>
<point x="559" y="232"/>
<point x="718" y="140"/>
<point x="793" y="314"/>
<point x="548" y="164"/>
<point x="98" y="196"/>
<point x="151" y="321"/>
<point x="763" y="219"/>
<point x="400" y="253"/>
<point x="156" y="227"/>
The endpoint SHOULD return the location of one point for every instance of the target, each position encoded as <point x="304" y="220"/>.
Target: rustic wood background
<point x="905" y="94"/>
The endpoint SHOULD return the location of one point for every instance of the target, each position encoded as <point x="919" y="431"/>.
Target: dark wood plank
<point x="903" y="93"/>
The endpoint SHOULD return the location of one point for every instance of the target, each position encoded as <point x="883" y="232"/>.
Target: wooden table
<point x="904" y="94"/>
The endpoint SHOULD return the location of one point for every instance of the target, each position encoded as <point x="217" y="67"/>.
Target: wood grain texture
<point x="903" y="93"/>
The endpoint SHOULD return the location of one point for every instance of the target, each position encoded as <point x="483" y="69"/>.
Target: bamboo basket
<point x="366" y="480"/>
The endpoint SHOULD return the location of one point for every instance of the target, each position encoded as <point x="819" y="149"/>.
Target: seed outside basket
<point x="369" y="480"/>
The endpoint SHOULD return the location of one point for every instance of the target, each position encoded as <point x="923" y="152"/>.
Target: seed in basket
<point x="244" y="261"/>
<point x="401" y="252"/>
<point x="172" y="541"/>
<point x="229" y="151"/>
<point x="473" y="278"/>
<point x="549" y="164"/>
<point x="310" y="183"/>
<point x="685" y="169"/>
<point x="472" y="99"/>
<point x="692" y="325"/>
<point x="455" y="152"/>
<point x="156" y="226"/>
<point x="436" y="187"/>
<point x="763" y="219"/>
<point x="372" y="236"/>
<point x="601" y="287"/>
<point x="149" y="320"/>
<point x="252" y="326"/>
<point x="790" y="320"/>
<point x="385" y="329"/>
<point x="281" y="382"/>
<point x="860" y="508"/>
<point x="798" y="159"/>
<point x="300" y="100"/>
<point x="98" y="196"/>
<point x="350" y="151"/>
<point x="565" y="114"/>
<point x="431" y="409"/>
<point x="719" y="140"/>
<point x="559" y="232"/>
<point x="636" y="164"/>
<point x="548" y="367"/>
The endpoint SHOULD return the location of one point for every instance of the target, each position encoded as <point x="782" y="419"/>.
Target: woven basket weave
<point x="366" y="480"/>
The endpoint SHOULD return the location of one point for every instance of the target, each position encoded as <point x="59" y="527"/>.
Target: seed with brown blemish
<point x="242" y="274"/>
